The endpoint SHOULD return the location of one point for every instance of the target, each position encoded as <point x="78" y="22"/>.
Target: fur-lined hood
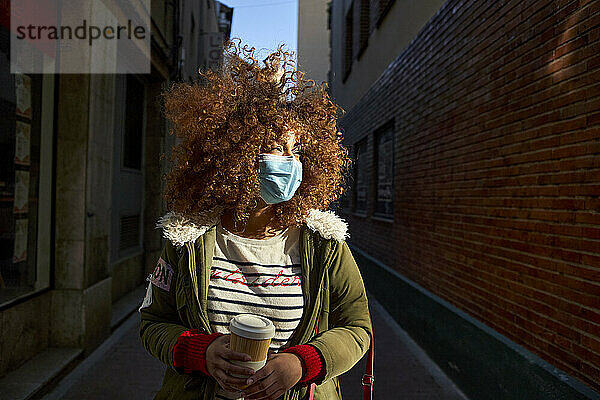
<point x="180" y="229"/>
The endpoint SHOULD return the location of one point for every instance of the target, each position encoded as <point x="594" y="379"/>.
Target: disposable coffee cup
<point x="251" y="334"/>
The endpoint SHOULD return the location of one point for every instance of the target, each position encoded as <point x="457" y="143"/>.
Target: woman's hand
<point x="218" y="366"/>
<point x="280" y="373"/>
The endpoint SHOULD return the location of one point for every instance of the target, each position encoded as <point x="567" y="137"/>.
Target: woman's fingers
<point x="223" y="384"/>
<point x="227" y="382"/>
<point x="260" y="375"/>
<point x="222" y="349"/>
<point x="231" y="368"/>
<point x="262" y="379"/>
<point x="221" y="368"/>
<point x="281" y="372"/>
<point x="231" y="381"/>
<point x="277" y="394"/>
<point x="264" y="389"/>
<point x="229" y="354"/>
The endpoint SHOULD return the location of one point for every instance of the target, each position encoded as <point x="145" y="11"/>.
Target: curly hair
<point x="232" y="114"/>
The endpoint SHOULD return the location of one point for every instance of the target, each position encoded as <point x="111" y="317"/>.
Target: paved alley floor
<point x="121" y="369"/>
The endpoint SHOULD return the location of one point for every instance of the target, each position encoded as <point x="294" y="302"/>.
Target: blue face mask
<point x="279" y="177"/>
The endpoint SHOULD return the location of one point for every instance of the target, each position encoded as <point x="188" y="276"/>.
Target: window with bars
<point x="384" y="167"/>
<point x="384" y="7"/>
<point x="345" y="200"/>
<point x="348" y="43"/>
<point x="361" y="177"/>
<point x="364" y="21"/>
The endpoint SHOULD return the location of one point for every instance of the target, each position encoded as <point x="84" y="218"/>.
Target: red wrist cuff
<point x="189" y="352"/>
<point x="312" y="361"/>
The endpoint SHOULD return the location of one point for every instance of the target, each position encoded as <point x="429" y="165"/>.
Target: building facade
<point x="83" y="159"/>
<point x="313" y="39"/>
<point x="474" y="127"/>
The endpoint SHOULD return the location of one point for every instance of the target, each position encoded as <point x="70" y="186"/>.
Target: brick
<point x="497" y="171"/>
<point x="593" y="119"/>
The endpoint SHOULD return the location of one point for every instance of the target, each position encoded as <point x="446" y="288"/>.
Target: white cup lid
<point x="252" y="326"/>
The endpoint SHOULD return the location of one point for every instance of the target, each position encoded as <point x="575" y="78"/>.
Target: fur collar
<point x="179" y="229"/>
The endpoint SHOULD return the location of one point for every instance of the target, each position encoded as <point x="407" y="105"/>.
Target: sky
<point x="265" y="24"/>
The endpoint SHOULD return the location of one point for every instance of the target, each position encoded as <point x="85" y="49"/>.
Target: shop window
<point x="384" y="171"/>
<point x="361" y="177"/>
<point x="26" y="109"/>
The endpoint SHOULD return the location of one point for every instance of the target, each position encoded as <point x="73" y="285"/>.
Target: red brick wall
<point x="497" y="191"/>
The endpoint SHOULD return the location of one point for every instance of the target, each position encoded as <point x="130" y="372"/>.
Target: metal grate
<point x="129" y="232"/>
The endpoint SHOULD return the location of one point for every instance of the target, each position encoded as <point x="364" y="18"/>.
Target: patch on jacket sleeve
<point x="148" y="299"/>
<point x="162" y="275"/>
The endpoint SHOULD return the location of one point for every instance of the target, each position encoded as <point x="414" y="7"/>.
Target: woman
<point x="257" y="165"/>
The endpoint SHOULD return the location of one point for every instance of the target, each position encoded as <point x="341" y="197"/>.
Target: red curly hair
<point x="229" y="116"/>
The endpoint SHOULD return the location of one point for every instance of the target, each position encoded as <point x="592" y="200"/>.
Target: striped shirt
<point x="256" y="276"/>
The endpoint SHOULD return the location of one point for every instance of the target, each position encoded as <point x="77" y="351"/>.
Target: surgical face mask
<point x="279" y="177"/>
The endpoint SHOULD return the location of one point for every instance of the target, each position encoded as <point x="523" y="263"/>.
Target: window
<point x="345" y="201"/>
<point x="348" y="44"/>
<point x="364" y="25"/>
<point x="384" y="167"/>
<point x="26" y="152"/>
<point x="384" y="7"/>
<point x="134" y="114"/>
<point x="361" y="177"/>
<point x="128" y="181"/>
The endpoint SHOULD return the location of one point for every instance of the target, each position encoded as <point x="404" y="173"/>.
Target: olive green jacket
<point x="332" y="286"/>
